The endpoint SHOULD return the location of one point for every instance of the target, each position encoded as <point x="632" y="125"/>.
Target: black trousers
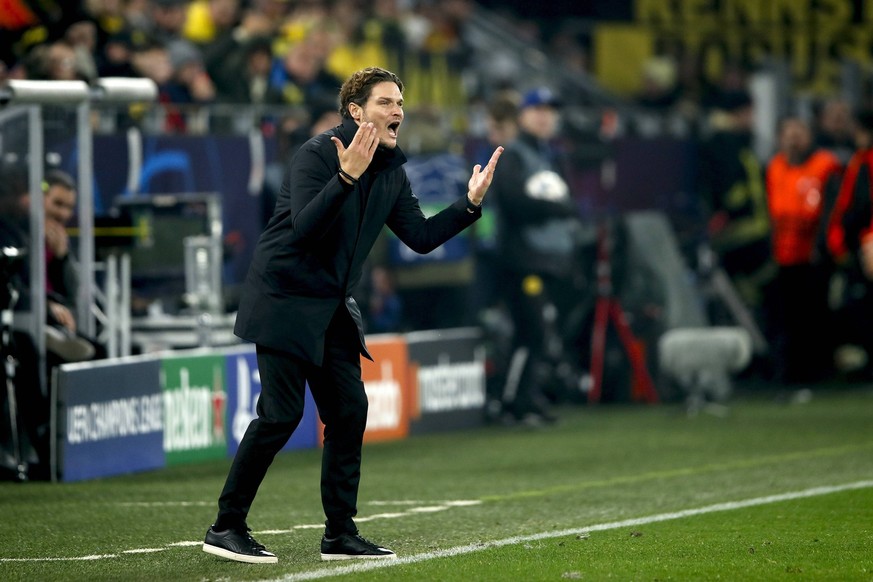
<point x="803" y="346"/>
<point x="536" y="338"/>
<point x="339" y="394"/>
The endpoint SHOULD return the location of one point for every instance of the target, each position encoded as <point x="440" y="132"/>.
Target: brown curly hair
<point x="358" y="87"/>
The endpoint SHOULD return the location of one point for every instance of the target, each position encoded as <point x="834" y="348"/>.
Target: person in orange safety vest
<point x="798" y="180"/>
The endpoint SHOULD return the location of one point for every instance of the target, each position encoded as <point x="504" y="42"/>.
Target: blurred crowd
<point x="270" y="52"/>
<point x="295" y="53"/>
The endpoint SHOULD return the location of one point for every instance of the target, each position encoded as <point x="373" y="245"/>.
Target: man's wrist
<point x="347" y="178"/>
<point x="472" y="206"/>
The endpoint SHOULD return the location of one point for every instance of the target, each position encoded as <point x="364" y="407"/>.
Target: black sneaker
<point x="237" y="545"/>
<point x="350" y="546"/>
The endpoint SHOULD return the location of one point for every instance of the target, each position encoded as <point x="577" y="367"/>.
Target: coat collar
<point x="385" y="158"/>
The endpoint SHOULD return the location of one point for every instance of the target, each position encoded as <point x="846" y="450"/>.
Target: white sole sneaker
<point x="331" y="557"/>
<point x="223" y="553"/>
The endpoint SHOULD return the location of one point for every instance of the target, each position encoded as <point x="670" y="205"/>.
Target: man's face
<point x="59" y="203"/>
<point x="795" y="137"/>
<point x="540" y="121"/>
<point x="384" y="109"/>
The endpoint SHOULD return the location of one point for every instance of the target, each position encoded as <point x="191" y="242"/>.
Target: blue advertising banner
<point x="110" y="419"/>
<point x="243" y="390"/>
<point x="181" y="164"/>
<point x="437" y="181"/>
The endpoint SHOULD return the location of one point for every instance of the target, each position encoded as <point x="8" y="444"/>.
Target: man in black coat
<point x="538" y="226"/>
<point x="341" y="188"/>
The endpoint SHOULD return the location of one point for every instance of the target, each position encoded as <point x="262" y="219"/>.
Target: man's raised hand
<point x="481" y="178"/>
<point x="355" y="159"/>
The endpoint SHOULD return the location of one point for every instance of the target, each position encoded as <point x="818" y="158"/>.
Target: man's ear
<point x="355" y="111"/>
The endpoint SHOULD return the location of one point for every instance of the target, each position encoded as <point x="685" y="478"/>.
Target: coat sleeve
<point x="312" y="194"/>
<point x="423" y="234"/>
<point x="510" y="192"/>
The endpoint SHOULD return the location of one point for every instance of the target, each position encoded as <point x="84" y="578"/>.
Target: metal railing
<point x="30" y="98"/>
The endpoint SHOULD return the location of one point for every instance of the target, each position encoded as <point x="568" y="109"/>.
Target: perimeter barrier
<point x="141" y="413"/>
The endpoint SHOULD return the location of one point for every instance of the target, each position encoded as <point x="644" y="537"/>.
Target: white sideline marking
<point x="449" y="502"/>
<point x="165" y="503"/>
<point x="459" y="550"/>
<point x="429" y="509"/>
<point x="399" y="502"/>
<point x="392" y="515"/>
<point x="73" y="559"/>
<point x="409" y="512"/>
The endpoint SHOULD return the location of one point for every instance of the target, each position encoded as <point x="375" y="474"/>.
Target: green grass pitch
<point x="773" y="491"/>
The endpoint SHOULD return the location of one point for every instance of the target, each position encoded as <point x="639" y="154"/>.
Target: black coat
<point x="311" y="254"/>
<point x="535" y="234"/>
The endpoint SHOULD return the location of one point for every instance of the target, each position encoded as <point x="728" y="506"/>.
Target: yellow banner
<point x="813" y="37"/>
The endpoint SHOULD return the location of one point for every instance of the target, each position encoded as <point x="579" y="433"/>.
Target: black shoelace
<point x="254" y="543"/>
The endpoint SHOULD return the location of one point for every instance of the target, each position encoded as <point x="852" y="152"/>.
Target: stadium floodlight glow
<point x="124" y="90"/>
<point x="44" y="92"/>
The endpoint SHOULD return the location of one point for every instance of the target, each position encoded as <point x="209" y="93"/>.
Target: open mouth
<point x="392" y="128"/>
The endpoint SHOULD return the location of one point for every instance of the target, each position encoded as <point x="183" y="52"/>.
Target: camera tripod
<point x="608" y="311"/>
